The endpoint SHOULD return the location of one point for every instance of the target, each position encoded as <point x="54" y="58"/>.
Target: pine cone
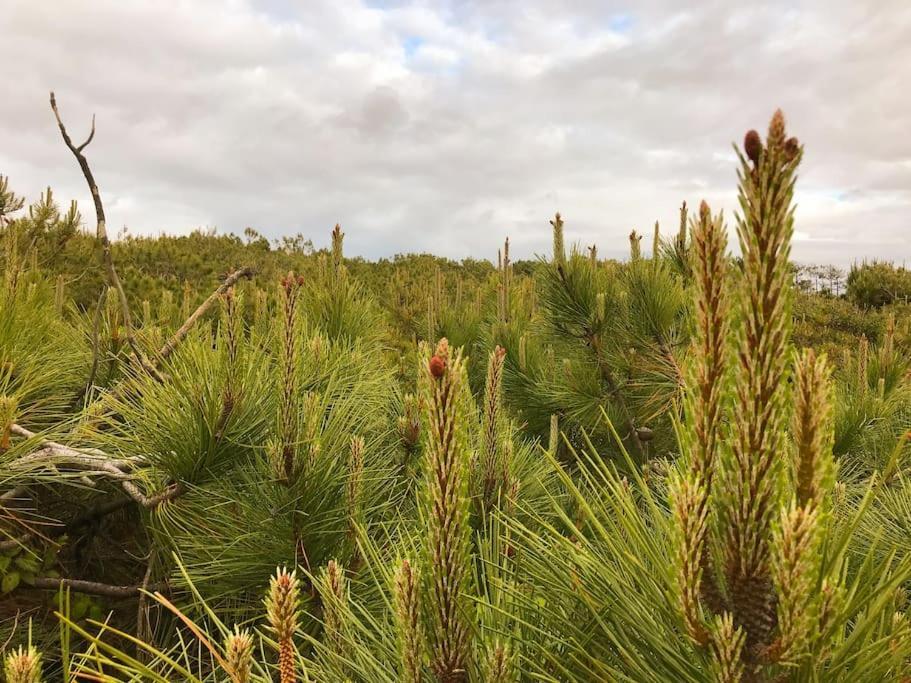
<point x="437" y="366"/>
<point x="752" y="145"/>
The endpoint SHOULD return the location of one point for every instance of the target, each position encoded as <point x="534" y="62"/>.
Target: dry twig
<point x="181" y="333"/>
<point x="94" y="587"/>
<point x="101" y="232"/>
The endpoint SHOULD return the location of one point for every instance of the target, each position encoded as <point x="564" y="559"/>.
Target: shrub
<point x="876" y="284"/>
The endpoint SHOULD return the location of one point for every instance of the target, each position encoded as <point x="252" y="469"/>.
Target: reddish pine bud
<point x="437" y="366"/>
<point x="791" y="149"/>
<point x="752" y="145"/>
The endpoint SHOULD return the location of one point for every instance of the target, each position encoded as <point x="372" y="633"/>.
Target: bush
<point x="876" y="284"/>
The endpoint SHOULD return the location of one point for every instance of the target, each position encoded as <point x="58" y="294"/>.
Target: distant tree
<point x="877" y="284"/>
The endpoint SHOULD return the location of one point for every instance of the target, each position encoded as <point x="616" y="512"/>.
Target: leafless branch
<point x="101" y="231"/>
<point x="93" y="462"/>
<point x="93" y="587"/>
<point x="184" y="330"/>
<point x="90" y="137"/>
<point x="85" y="455"/>
<point x="170" y="493"/>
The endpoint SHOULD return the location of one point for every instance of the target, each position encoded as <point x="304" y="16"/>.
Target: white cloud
<point x="446" y="126"/>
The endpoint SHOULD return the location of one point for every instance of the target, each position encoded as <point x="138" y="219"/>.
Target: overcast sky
<point x="446" y="126"/>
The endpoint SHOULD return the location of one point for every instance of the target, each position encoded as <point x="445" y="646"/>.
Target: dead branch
<point x="99" y="467"/>
<point x="80" y="455"/>
<point x="93" y="587"/>
<point x="170" y="493"/>
<point x="87" y="464"/>
<point x="92" y="462"/>
<point x="101" y="231"/>
<point x="172" y="343"/>
<point x="184" y="330"/>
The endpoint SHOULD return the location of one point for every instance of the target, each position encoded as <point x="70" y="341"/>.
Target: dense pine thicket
<point x="222" y="459"/>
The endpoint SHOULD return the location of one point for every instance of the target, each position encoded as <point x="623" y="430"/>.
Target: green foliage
<point x="604" y="336"/>
<point x="831" y="324"/>
<point x="876" y="284"/>
<point x="604" y="470"/>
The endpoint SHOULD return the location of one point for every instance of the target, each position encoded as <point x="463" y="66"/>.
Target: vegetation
<point x="222" y="459"/>
<point x="873" y="285"/>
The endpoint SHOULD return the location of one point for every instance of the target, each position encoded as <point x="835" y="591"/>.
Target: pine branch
<point x="607" y="375"/>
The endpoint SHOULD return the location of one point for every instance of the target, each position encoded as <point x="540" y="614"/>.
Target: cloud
<point x="446" y="126"/>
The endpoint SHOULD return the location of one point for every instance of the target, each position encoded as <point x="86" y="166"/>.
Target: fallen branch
<point x="184" y="330"/>
<point x="86" y="456"/>
<point x="93" y="587"/>
<point x="92" y="462"/>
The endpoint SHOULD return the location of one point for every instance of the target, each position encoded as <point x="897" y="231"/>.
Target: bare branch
<point x="101" y="233"/>
<point x="60" y="449"/>
<point x="93" y="462"/>
<point x="184" y="329"/>
<point x="93" y="587"/>
<point x="181" y="333"/>
<point x="169" y="493"/>
<point x="90" y="137"/>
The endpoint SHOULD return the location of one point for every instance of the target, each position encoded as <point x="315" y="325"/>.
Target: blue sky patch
<point x="411" y="45"/>
<point x="621" y="23"/>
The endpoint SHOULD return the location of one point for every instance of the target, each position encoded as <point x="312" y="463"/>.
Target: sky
<point x="447" y="126"/>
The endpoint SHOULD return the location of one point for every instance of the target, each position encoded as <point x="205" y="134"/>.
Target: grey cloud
<point x="292" y="116"/>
